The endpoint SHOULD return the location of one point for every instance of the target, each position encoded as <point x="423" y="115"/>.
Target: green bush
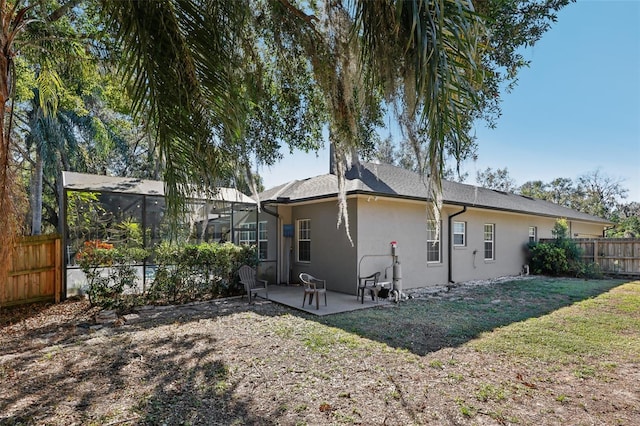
<point x="560" y="257"/>
<point x="196" y="271"/>
<point x="109" y="271"/>
<point x="547" y="259"/>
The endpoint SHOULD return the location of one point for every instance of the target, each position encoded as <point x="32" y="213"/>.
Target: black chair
<point x="369" y="282"/>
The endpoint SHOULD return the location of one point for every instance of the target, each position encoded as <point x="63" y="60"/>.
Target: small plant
<point x="489" y="392"/>
<point x="300" y="408"/>
<point x="437" y="364"/>
<point x="465" y="410"/>
<point x="585" y="372"/>
<point x="455" y="377"/>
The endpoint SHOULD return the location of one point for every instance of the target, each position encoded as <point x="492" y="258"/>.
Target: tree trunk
<point x="36" y="196"/>
<point x="7" y="211"/>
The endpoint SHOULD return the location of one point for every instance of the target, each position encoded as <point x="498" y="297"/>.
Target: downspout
<point x="450" y="242"/>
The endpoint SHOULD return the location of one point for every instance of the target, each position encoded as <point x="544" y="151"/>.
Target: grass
<point x="590" y="328"/>
<point x="428" y="325"/>
<point x="536" y="351"/>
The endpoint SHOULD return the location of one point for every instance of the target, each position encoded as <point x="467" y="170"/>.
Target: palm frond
<point x="177" y="67"/>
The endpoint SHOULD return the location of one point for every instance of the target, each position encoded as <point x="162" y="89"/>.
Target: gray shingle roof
<point x="391" y="181"/>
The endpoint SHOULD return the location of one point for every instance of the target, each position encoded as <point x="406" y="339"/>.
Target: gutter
<point x="450" y="242"/>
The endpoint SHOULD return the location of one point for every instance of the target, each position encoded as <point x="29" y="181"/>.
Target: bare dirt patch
<point x="224" y="362"/>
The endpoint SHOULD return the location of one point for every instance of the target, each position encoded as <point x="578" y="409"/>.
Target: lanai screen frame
<point x="225" y="200"/>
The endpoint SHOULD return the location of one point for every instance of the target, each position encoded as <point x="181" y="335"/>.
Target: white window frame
<point x="303" y="234"/>
<point x="433" y="240"/>
<point x="247" y="234"/>
<point x="247" y="237"/>
<point x="263" y="243"/>
<point x="463" y="233"/>
<point x="489" y="237"/>
<point x="533" y="234"/>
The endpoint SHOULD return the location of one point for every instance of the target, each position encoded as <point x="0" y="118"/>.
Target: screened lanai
<point x="113" y="209"/>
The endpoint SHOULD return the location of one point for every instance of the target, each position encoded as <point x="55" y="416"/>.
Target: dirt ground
<point x="226" y="362"/>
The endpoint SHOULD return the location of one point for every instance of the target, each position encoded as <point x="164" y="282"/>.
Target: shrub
<point x="547" y="259"/>
<point x="195" y="271"/>
<point x="109" y="271"/>
<point x="562" y="256"/>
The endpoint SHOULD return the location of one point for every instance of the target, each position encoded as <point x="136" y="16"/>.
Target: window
<point x="247" y="234"/>
<point x="459" y="233"/>
<point x="433" y="241"/>
<point x="533" y="234"/>
<point x="248" y="237"/>
<point x="304" y="240"/>
<point x="489" y="249"/>
<point x="262" y="240"/>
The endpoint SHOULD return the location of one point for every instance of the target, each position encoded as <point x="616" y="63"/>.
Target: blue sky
<point x="575" y="109"/>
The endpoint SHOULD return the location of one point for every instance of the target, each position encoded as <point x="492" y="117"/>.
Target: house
<point x="481" y="233"/>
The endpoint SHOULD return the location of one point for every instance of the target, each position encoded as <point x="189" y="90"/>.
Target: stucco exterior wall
<point x="332" y="255"/>
<point x="375" y="222"/>
<point x="382" y="221"/>
<point x="510" y="239"/>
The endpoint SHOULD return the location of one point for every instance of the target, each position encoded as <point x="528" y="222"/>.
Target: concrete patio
<point x="336" y="302"/>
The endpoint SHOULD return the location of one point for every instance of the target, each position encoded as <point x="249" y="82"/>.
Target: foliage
<point x="547" y="259"/>
<point x="498" y="180"/>
<point x="595" y="193"/>
<point x="218" y="83"/>
<point x="194" y="271"/>
<point x="626" y="218"/>
<point x="560" y="257"/>
<point x="184" y="272"/>
<point x="110" y="271"/>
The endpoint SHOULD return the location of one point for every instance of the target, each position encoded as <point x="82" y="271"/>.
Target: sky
<point x="576" y="108"/>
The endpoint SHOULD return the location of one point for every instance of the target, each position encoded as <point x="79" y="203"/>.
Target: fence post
<point x="57" y="287"/>
<point x="595" y="253"/>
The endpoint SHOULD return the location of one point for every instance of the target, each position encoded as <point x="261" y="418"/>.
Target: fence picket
<point x="35" y="273"/>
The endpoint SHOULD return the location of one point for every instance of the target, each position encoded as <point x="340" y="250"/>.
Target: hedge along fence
<point x="35" y="271"/>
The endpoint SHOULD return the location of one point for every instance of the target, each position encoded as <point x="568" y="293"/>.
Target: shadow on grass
<point x="428" y="325"/>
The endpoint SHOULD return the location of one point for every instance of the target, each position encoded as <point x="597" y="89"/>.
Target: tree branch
<point x="309" y="19"/>
<point x="62" y="10"/>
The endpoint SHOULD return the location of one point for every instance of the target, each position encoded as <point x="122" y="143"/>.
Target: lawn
<point x="527" y="352"/>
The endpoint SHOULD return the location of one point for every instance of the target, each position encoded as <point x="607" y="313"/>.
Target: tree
<point x="595" y="193"/>
<point x="498" y="180"/>
<point x="562" y="191"/>
<point x="626" y="217"/>
<point x="601" y="193"/>
<point x="199" y="71"/>
<point x="534" y="189"/>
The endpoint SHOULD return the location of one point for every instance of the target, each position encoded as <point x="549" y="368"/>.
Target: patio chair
<point x="367" y="283"/>
<point x="251" y="283"/>
<point x="313" y="287"/>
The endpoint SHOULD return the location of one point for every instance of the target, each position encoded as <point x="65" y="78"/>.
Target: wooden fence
<point x="35" y="272"/>
<point x="614" y="255"/>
